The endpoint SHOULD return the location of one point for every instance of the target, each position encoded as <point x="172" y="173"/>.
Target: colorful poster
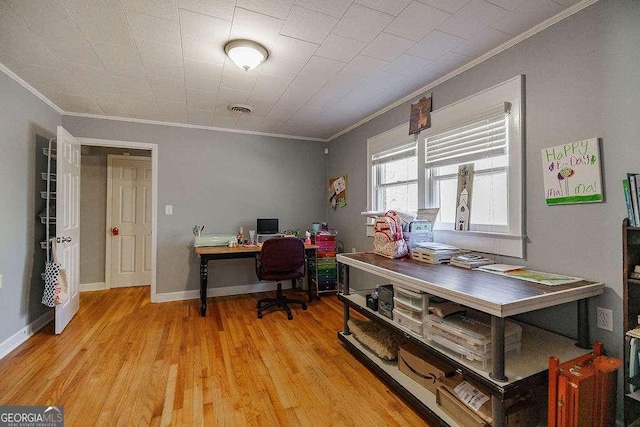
<point x="572" y="173"/>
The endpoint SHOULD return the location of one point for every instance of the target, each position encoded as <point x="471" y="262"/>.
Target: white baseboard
<point x="98" y="286"/>
<point x="219" y="292"/>
<point x="25" y="333"/>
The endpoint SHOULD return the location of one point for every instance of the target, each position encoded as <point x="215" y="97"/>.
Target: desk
<point x="210" y="253"/>
<point x="496" y="295"/>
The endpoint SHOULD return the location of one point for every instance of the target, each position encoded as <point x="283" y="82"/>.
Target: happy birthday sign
<point x="572" y="172"/>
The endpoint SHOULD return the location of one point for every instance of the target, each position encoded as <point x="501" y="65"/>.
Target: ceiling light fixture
<point x="246" y="54"/>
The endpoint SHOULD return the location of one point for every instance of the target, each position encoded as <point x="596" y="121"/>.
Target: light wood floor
<point x="123" y="360"/>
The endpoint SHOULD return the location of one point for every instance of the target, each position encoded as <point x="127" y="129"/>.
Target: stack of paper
<point x="433" y="253"/>
<point x="470" y="260"/>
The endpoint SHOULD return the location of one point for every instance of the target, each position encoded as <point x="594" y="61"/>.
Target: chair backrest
<point x="282" y="255"/>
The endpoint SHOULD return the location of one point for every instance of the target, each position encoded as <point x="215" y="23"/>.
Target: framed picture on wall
<point x="420" y="116"/>
<point x="338" y="191"/>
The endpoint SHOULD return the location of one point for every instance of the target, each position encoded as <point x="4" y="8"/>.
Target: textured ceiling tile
<point x="406" y="65"/>
<point x="387" y="47"/>
<point x="472" y="19"/>
<point x="159" y="52"/>
<point x="96" y="78"/>
<point x="364" y="65"/>
<point x="152" y="28"/>
<point x="527" y="16"/>
<point x="235" y="82"/>
<point x="167" y="9"/>
<point x="482" y="43"/>
<point x="201" y="69"/>
<point x="202" y="51"/>
<point x="317" y="72"/>
<point x="204" y="28"/>
<point x="101" y="21"/>
<point x="451" y="6"/>
<point x="19" y="42"/>
<point x="391" y="7"/>
<point x="199" y="117"/>
<point x="162" y="69"/>
<point x="276" y="8"/>
<point x="225" y="121"/>
<point x="361" y="23"/>
<point x="508" y="4"/>
<point x="77" y="104"/>
<point x="335" y="8"/>
<point x="144" y="110"/>
<point x="201" y="83"/>
<point x="290" y="49"/>
<point x="340" y="48"/>
<point x="435" y="45"/>
<point x="175" y="112"/>
<point x="218" y="8"/>
<point x="120" y="61"/>
<point x="308" y="25"/>
<point x="202" y="99"/>
<point x="282" y="69"/>
<point x="118" y="110"/>
<point x="255" y="26"/>
<point x="226" y="95"/>
<point x="416" y="21"/>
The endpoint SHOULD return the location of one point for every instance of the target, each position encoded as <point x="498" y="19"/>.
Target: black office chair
<point x="281" y="258"/>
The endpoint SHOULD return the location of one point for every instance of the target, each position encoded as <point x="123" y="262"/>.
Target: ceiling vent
<point x="239" y="108"/>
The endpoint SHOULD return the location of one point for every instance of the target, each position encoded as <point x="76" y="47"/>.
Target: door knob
<point x="63" y="239"/>
<point x="115" y="231"/>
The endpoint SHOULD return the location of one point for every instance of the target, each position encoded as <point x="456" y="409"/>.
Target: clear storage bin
<point x="464" y="353"/>
<point x="415" y="299"/>
<point x="407" y="321"/>
<point x="470" y="332"/>
<point x="408" y="309"/>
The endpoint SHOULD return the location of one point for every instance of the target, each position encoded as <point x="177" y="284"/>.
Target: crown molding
<point x="190" y="126"/>
<point x="506" y="45"/>
<point x="30" y="88"/>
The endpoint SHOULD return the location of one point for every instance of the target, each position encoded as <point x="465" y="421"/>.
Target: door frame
<point x="110" y="158"/>
<point x="154" y="194"/>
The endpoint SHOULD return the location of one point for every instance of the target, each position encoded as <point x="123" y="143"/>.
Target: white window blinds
<point x="399" y="153"/>
<point x="480" y="137"/>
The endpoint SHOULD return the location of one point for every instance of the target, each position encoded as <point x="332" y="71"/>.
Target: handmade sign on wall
<point x="463" y="200"/>
<point x="420" y="116"/>
<point x="572" y="173"/>
<point x="338" y="191"/>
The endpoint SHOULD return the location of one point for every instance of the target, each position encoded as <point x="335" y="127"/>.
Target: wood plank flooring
<point x="125" y="361"/>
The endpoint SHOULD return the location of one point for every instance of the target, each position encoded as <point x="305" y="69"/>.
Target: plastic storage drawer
<point x="407" y="309"/>
<point x="407" y="321"/>
<point x="418" y="300"/>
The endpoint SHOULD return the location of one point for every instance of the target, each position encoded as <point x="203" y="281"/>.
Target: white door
<point x="68" y="222"/>
<point x="129" y="221"/>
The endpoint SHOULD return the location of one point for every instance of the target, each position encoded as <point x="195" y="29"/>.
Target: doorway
<point x="98" y="255"/>
<point x="128" y="221"/>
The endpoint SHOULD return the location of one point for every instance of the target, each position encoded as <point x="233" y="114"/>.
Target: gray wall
<point x="93" y="194"/>
<point x="582" y="81"/>
<point x="221" y="180"/>
<point x="22" y="117"/>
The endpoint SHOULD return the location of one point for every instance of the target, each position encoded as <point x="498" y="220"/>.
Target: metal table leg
<point x="497" y="349"/>
<point x="583" y="324"/>
<point x="497" y="412"/>
<point x="204" y="273"/>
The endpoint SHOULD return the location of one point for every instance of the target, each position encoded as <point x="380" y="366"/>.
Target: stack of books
<point x="631" y="187"/>
<point x="433" y="253"/>
<point x="470" y="260"/>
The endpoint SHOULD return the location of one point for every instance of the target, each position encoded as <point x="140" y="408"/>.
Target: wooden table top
<point x="491" y="293"/>
<point x="242" y="249"/>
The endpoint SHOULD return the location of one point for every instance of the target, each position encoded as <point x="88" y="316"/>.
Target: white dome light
<point x="245" y="53"/>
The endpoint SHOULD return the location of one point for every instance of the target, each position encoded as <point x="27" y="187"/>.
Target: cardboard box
<point x="520" y="411"/>
<point x="422" y="367"/>
<point x="457" y="410"/>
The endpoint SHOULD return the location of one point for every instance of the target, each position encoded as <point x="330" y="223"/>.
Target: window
<point x="395" y="178"/>
<point x="393" y="171"/>
<point x="483" y="129"/>
<point x="483" y="142"/>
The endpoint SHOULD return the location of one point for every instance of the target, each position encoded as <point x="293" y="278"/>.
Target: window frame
<point x="509" y="242"/>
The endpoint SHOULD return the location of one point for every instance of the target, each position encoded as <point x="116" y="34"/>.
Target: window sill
<point x="483" y="241"/>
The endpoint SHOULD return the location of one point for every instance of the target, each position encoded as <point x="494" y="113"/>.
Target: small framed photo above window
<point x="420" y="116"/>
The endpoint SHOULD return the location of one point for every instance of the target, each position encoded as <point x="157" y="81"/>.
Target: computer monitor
<point x="267" y="226"/>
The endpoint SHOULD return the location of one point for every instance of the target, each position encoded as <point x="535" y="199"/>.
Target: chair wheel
<point x="259" y="315"/>
<point x="289" y="316"/>
<point x="304" y="306"/>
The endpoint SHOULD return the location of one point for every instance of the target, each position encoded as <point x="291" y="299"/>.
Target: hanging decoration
<point x="420" y="118"/>
<point x="338" y="192"/>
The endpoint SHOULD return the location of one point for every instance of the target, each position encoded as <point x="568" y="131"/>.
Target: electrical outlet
<point x="604" y="319"/>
